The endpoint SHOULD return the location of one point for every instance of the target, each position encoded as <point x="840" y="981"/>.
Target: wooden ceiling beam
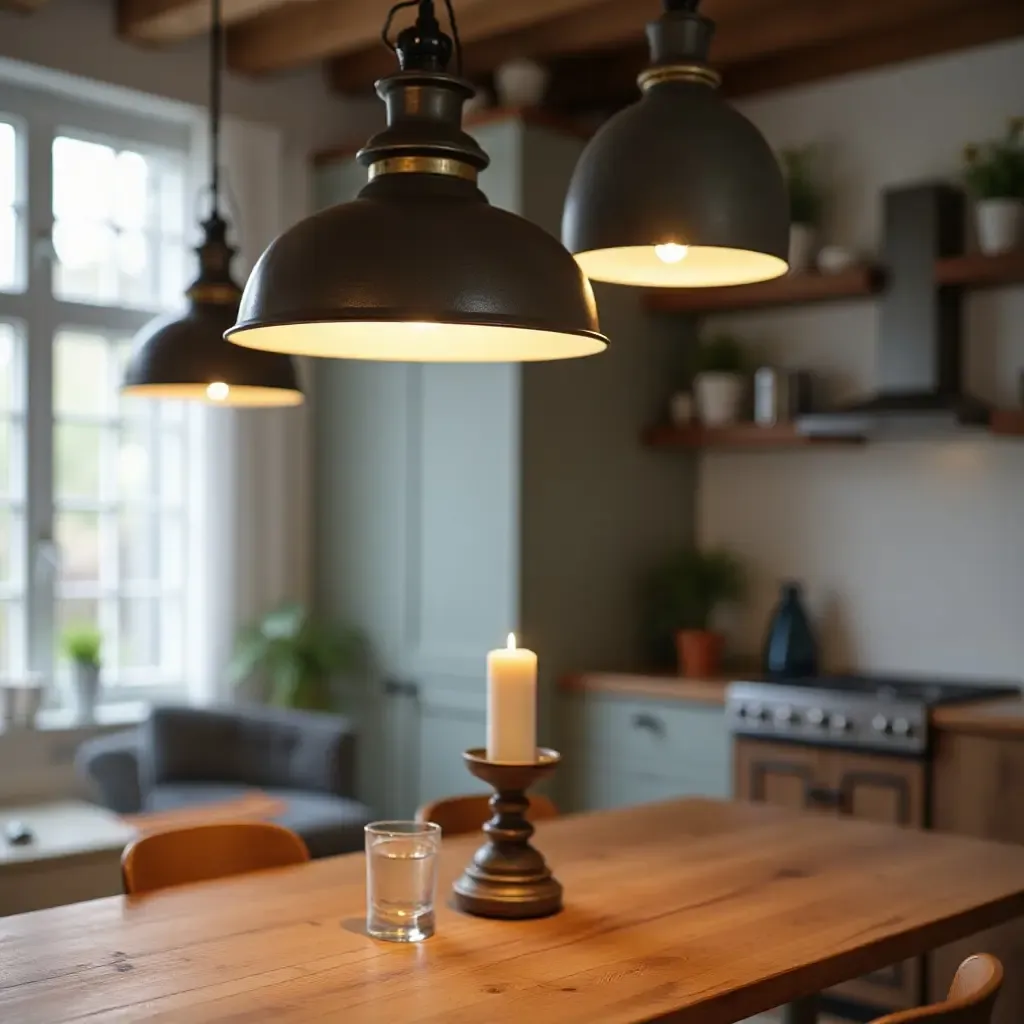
<point x="324" y="28"/>
<point x="810" y="39"/>
<point x="168" y="21"/>
<point x="603" y="25"/>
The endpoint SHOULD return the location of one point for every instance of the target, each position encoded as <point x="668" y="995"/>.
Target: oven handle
<point x="816" y="795"/>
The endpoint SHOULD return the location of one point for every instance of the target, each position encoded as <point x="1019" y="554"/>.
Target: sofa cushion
<point x="329" y="825"/>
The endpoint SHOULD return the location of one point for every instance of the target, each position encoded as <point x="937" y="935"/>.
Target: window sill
<point x="55" y="720"/>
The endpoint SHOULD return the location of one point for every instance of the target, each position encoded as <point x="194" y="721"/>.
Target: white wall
<point x="913" y="553"/>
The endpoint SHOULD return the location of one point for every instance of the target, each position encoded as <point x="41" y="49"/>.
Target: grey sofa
<point x="185" y="757"/>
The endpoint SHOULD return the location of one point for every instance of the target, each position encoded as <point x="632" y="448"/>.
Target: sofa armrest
<point x="109" y="765"/>
<point x="325" y="759"/>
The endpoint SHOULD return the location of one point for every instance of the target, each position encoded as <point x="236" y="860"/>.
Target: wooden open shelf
<point x="741" y="435"/>
<point x="790" y="290"/>
<point x="976" y="270"/>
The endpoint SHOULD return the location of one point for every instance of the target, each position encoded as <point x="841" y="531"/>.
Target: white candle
<point x="512" y="704"/>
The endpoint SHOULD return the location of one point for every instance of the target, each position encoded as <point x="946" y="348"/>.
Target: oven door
<point x="875" y="787"/>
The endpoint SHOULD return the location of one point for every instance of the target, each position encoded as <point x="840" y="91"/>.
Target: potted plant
<point x="297" y="657"/>
<point x="719" y="380"/>
<point x="994" y="174"/>
<point x="82" y="644"/>
<point x="685" y="592"/>
<point x="804" y="207"/>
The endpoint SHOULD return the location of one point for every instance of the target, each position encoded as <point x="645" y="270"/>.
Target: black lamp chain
<point x="216" y="64"/>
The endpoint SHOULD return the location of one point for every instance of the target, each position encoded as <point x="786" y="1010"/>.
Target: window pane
<point x="8" y="539"/>
<point x="10" y="229"/>
<point x="81" y="374"/>
<point x="140" y="633"/>
<point x="8" y="164"/>
<point x="78" y="534"/>
<point x="131" y="190"/>
<point x="177" y="261"/>
<point x="133" y="467"/>
<point x="137" y="543"/>
<point x="85" y="270"/>
<point x="83" y="176"/>
<point x="10" y="390"/>
<point x="10" y="619"/>
<point x="78" y="460"/>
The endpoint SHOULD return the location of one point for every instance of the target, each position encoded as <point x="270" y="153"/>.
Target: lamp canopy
<point x="184" y="356"/>
<point x="679" y="189"/>
<point x="419" y="267"/>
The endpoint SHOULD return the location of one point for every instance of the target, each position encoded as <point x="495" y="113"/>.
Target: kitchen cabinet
<point x="619" y="752"/>
<point x="978" y="790"/>
<point x="889" y="790"/>
<point x="455" y="503"/>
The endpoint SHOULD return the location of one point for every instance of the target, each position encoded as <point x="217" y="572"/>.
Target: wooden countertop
<point x="716" y="911"/>
<point x="650" y="686"/>
<point x="1002" y="717"/>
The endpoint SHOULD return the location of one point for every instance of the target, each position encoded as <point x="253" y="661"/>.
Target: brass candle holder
<point x="507" y="877"/>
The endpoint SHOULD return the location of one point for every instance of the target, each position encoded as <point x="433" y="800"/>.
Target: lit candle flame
<point x="218" y="391"/>
<point x="671" y="252"/>
<point x="511" y="641"/>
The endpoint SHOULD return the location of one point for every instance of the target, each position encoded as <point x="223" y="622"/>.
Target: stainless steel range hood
<point x="920" y="327"/>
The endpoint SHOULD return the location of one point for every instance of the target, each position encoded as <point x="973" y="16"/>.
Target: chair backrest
<point x="203" y="852"/>
<point x="971" y="999"/>
<point x="460" y="814"/>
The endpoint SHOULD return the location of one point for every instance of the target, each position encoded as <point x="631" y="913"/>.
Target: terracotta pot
<point x="699" y="652"/>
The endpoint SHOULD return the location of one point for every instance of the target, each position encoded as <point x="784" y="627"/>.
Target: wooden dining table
<point x="690" y="911"/>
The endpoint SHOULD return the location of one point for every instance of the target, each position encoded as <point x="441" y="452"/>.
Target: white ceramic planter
<point x="521" y="83"/>
<point x="86" y="681"/>
<point x="719" y="397"/>
<point x="1000" y="224"/>
<point x="803" y="240"/>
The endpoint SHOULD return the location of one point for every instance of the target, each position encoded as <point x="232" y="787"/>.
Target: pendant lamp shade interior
<point x="420" y="267"/>
<point x="679" y="189"/>
<point x="184" y="356"/>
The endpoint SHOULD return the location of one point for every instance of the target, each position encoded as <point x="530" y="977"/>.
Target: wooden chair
<point x="202" y="852"/>
<point x="971" y="998"/>
<point x="458" y="815"/>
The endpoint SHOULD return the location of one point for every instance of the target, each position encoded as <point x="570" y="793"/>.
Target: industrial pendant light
<point x="679" y="189"/>
<point x="185" y="356"/>
<point x="420" y="267"/>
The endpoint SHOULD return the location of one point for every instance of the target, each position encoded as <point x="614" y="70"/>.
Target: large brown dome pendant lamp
<point x="185" y="356"/>
<point x="679" y="189"/>
<point x="420" y="267"/>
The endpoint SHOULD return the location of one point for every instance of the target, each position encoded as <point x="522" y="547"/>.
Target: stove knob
<point x="901" y="727"/>
<point x="817" y="718"/>
<point x="881" y="724"/>
<point x="786" y="716"/>
<point x="840" y="723"/>
<point x="764" y="714"/>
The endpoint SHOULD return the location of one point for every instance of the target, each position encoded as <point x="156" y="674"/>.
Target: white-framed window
<point x="95" y="206"/>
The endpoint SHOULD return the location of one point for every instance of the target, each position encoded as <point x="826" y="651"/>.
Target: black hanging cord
<point x="455" y="35"/>
<point x="427" y="14"/>
<point x="216" y="62"/>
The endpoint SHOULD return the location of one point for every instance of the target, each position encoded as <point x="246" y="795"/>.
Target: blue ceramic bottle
<point x="790" y="647"/>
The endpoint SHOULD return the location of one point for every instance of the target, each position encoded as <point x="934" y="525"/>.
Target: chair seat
<point x="329" y="825"/>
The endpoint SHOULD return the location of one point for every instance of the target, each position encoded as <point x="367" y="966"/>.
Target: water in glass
<point x="401" y="879"/>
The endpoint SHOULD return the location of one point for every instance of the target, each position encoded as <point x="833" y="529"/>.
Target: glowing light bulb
<point x="217" y="391"/>
<point x="511" y="641"/>
<point x="671" y="252"/>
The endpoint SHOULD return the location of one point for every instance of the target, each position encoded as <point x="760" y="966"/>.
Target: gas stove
<point x="883" y="713"/>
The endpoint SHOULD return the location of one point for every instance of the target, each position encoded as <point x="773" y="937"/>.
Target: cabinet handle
<point x="650" y="723"/>
<point x="399" y="688"/>
<point x="822" y="796"/>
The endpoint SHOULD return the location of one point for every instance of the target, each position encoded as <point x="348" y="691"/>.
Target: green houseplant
<point x="82" y="645"/>
<point x="805" y="203"/>
<point x="684" y="593"/>
<point x="297" y="657"/>
<point x="994" y="175"/>
<point x="719" y="380"/>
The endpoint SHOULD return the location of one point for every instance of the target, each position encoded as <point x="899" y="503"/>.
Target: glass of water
<point x="401" y="879"/>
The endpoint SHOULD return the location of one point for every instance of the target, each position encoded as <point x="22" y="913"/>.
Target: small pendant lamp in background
<point x="679" y="189"/>
<point x="184" y="355"/>
<point x="420" y="267"/>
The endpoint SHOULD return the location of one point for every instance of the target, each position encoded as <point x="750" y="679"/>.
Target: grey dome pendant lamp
<point x="420" y="267"/>
<point x="679" y="189"/>
<point x="184" y="355"/>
